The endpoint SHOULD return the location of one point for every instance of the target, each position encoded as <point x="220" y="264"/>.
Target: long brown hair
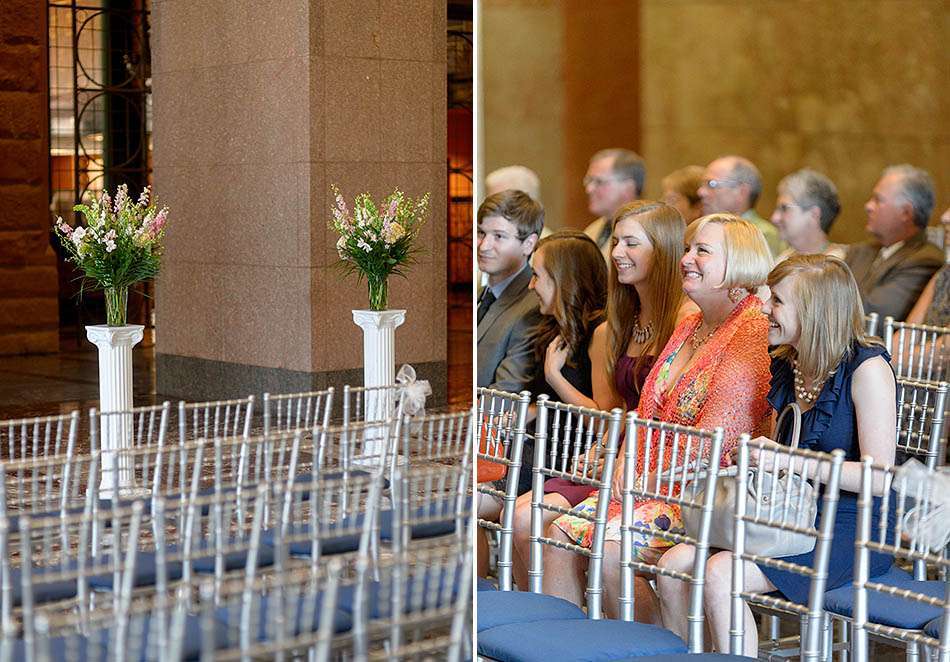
<point x="833" y="319"/>
<point x="665" y="229"/>
<point x="577" y="268"/>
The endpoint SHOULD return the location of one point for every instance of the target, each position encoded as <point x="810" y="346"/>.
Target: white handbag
<point x="762" y="539"/>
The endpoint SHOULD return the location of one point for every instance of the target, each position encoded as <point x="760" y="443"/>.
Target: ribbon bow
<point x="415" y="392"/>
<point x="928" y="520"/>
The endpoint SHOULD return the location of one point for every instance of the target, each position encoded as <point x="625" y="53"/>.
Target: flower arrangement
<point x="377" y="241"/>
<point x="120" y="245"/>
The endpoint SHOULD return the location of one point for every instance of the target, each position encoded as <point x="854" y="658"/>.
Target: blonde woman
<point x="712" y="372"/>
<point x="841" y="378"/>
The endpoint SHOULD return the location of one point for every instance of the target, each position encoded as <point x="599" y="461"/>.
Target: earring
<point x="736" y="294"/>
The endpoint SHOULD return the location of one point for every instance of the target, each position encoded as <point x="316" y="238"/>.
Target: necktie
<point x="488" y="298"/>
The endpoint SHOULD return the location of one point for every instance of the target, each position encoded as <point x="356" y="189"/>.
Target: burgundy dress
<point x="628" y="385"/>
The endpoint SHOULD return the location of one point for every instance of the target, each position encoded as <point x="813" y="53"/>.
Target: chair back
<point x="501" y="433"/>
<point x="372" y="403"/>
<point x="39" y="437"/>
<point x="775" y="465"/>
<point x="912" y="527"/>
<point x="580" y="445"/>
<point x="920" y="411"/>
<point x="113" y="431"/>
<point x="870" y="324"/>
<point x="677" y="465"/>
<point x="297" y="411"/>
<point x="217" y="418"/>
<point x="920" y="352"/>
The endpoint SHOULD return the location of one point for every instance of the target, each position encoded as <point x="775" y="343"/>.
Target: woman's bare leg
<point x="674" y="594"/>
<point x="717" y="601"/>
<point x="488" y="509"/>
<point x="565" y="573"/>
<point x="522" y="533"/>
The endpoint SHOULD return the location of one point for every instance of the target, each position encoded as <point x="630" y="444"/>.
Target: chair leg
<point x="911" y="653"/>
<point x="844" y="631"/>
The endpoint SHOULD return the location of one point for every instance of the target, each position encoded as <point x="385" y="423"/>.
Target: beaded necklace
<point x="808" y="395"/>
<point x="642" y="334"/>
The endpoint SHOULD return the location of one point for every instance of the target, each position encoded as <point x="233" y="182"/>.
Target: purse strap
<point x="795" y="412"/>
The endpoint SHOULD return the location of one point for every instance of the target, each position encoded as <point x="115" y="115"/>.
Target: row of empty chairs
<point x="140" y="552"/>
<point x="906" y="606"/>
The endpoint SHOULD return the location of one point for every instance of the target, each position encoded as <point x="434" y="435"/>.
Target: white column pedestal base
<point x="115" y="394"/>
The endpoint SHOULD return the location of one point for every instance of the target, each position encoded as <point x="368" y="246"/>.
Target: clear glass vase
<point x="378" y="292"/>
<point x="117" y="300"/>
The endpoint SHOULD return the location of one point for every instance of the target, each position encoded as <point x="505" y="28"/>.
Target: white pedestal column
<point x="379" y="368"/>
<point x="115" y="394"/>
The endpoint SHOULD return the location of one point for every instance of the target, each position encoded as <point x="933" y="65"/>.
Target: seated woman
<point x="933" y="306"/>
<point x="572" y="307"/>
<point x="712" y="372"/>
<point x="641" y="314"/>
<point x="840" y="377"/>
<point x="807" y="205"/>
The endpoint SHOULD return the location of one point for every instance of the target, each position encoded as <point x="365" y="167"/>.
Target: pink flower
<point x="159" y="222"/>
<point x="121" y="197"/>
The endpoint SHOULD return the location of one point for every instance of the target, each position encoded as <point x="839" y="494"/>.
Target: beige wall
<point x="843" y="86"/>
<point x="257" y="113"/>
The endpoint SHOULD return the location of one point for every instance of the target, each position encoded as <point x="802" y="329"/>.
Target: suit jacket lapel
<point x="910" y="246"/>
<point x="508" y="298"/>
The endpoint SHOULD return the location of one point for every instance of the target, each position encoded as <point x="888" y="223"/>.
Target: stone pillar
<point x="29" y="307"/>
<point x="256" y="114"/>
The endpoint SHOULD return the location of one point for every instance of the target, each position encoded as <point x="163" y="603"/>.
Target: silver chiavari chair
<point x="912" y="527"/>
<point x="297" y="411"/>
<point x="920" y="351"/>
<point x="774" y="463"/>
<point x="294" y="615"/>
<point x="432" y="504"/>
<point x="418" y="607"/>
<point x="683" y="474"/>
<point x="35" y="438"/>
<point x="219" y="418"/>
<point x="58" y="563"/>
<point x="580" y="445"/>
<point x="501" y="432"/>
<point x="140" y="427"/>
<point x="365" y="404"/>
<point x="870" y="324"/>
<point x="48" y="485"/>
<point x="920" y="412"/>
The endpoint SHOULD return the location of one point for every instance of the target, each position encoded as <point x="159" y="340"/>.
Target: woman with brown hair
<point x="642" y="311"/>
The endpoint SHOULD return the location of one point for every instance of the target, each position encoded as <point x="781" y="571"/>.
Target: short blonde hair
<point x="748" y="259"/>
<point x="832" y="321"/>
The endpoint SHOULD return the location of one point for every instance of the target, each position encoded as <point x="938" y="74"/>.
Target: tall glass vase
<point x="378" y="292"/>
<point x="117" y="303"/>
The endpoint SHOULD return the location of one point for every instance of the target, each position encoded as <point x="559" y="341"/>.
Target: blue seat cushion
<point x="203" y="559"/>
<point x="43" y="591"/>
<point x="889" y="609"/>
<point x="686" y="657"/>
<point x="378" y="597"/>
<point x="576" y="641"/>
<point x="485" y="585"/>
<point x="76" y="647"/>
<point x="230" y="617"/>
<point x="442" y="524"/>
<point x="145" y="574"/>
<point x="496" y="608"/>
<point x="341" y="544"/>
<point x="932" y="629"/>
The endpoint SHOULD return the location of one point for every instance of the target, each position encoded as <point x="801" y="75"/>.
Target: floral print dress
<point x="726" y="386"/>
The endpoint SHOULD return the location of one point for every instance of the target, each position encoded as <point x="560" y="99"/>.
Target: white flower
<point x="78" y="234"/>
<point x="366" y="247"/>
<point x="340" y="247"/>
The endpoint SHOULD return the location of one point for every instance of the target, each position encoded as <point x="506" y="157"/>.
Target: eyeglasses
<point x="719" y="183"/>
<point x="786" y="207"/>
<point x="601" y="181"/>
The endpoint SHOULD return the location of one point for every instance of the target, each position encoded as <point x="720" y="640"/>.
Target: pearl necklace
<point x="642" y="334"/>
<point x="808" y="395"/>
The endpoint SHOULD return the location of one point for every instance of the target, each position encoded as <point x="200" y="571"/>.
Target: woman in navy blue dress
<point x="842" y="380"/>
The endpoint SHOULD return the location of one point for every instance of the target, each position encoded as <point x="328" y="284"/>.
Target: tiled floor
<point x="43" y="384"/>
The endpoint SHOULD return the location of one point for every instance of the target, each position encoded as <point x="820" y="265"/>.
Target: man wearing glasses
<point x="732" y="185"/>
<point x="614" y="178"/>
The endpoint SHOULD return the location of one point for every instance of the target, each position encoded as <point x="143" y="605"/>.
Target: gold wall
<point x="843" y="86"/>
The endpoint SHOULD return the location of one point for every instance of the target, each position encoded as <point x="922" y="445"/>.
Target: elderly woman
<point x="841" y="379"/>
<point x="807" y="205"/>
<point x="712" y="372"/>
